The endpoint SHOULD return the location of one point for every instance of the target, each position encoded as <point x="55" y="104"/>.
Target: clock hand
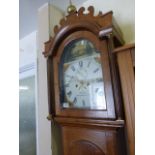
<point x="85" y="83"/>
<point x="92" y="81"/>
<point x="82" y="74"/>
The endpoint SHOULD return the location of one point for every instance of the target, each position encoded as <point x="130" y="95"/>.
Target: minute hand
<point x="92" y="81"/>
<point x="82" y="74"/>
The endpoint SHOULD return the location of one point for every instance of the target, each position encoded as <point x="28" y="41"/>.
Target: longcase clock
<point x="83" y="84"/>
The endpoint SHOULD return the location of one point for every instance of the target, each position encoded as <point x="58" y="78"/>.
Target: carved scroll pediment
<point x="77" y="21"/>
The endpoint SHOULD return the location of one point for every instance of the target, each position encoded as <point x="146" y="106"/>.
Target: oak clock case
<point x="83" y="78"/>
<point x="83" y="84"/>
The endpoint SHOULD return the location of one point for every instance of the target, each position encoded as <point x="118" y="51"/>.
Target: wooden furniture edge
<point x="125" y="60"/>
<point x="123" y="48"/>
<point x="100" y="124"/>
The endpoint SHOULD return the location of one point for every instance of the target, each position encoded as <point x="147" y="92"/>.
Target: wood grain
<point x="79" y="141"/>
<point x="125" y="63"/>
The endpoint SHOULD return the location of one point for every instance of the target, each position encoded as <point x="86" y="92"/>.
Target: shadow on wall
<point x="129" y="32"/>
<point x="56" y="139"/>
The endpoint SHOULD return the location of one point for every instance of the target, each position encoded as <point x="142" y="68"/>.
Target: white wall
<point x="123" y="11"/>
<point x="27" y="49"/>
<point x="48" y="16"/>
<point x="54" y="18"/>
<point x="43" y="126"/>
<point x="27" y="55"/>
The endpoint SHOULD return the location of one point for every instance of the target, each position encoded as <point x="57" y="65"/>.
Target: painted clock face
<point x="81" y="82"/>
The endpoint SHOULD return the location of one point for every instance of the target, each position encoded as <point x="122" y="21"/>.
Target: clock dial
<point x="83" y="85"/>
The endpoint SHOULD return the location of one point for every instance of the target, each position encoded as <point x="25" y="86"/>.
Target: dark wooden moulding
<point x="105" y="135"/>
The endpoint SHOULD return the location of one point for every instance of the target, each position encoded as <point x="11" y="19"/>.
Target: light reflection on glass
<point x="81" y="76"/>
<point x="23" y="88"/>
<point x="27" y="125"/>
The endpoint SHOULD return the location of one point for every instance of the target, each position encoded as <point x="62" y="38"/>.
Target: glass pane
<point x="27" y="120"/>
<point x="82" y="83"/>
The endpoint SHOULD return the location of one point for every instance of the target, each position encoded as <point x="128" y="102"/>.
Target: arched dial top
<point x="81" y="80"/>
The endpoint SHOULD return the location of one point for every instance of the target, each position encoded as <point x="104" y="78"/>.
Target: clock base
<point x="87" y="141"/>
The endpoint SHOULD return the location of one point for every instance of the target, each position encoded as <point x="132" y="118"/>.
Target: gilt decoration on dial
<point x="81" y="77"/>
